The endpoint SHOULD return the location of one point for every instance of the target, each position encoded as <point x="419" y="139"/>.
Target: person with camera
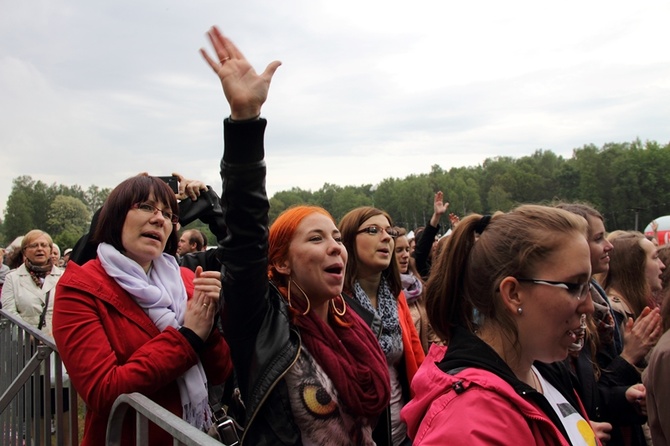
<point x="133" y="320"/>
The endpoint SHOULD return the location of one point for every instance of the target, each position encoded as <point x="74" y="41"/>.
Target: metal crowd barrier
<point x="148" y="411"/>
<point x="26" y="357"/>
<point x="26" y="380"/>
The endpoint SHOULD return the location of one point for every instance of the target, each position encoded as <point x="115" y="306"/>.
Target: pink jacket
<point x="487" y="411"/>
<point x="110" y="346"/>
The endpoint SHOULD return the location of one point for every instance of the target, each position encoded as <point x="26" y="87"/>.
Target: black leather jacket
<point x="263" y="344"/>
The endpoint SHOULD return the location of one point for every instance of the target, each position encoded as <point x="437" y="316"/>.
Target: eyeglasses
<point x="374" y="230"/>
<point x="576" y="290"/>
<point x="38" y="245"/>
<point x="150" y="208"/>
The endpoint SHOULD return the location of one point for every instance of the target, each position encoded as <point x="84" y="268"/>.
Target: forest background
<point x="629" y="183"/>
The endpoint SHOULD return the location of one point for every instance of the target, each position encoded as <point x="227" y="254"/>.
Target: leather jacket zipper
<point x="271" y="388"/>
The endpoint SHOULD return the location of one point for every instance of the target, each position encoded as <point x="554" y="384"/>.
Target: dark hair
<point x="349" y="228"/>
<point x="469" y="270"/>
<point x="134" y="190"/>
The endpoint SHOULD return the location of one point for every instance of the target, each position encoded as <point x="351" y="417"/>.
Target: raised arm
<point x="244" y="200"/>
<point x="424" y="244"/>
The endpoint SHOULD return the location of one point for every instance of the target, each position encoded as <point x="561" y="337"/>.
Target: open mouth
<point x="152" y="235"/>
<point x="335" y="269"/>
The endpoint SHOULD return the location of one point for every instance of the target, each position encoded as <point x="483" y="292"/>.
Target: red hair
<point x="281" y="233"/>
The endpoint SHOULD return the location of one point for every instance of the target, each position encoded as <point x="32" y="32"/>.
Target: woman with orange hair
<point x="310" y="371"/>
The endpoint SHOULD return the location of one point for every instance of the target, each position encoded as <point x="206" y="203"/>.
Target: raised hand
<point x="454" y="219"/>
<point x="439" y="208"/>
<point x="245" y="90"/>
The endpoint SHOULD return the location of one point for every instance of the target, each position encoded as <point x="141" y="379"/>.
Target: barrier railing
<point x="148" y="411"/>
<point x="31" y="375"/>
<point x="27" y="357"/>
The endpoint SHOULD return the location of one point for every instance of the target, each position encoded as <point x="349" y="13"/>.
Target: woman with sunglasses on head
<point x="373" y="287"/>
<point x="310" y="371"/>
<point x="131" y="320"/>
<point x="507" y="292"/>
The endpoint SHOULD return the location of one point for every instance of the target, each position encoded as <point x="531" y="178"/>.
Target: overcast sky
<point x="92" y="92"/>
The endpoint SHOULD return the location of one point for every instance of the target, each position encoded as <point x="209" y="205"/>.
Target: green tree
<point x="350" y="197"/>
<point x="94" y="197"/>
<point x="498" y="199"/>
<point x="19" y="211"/>
<point x="67" y="220"/>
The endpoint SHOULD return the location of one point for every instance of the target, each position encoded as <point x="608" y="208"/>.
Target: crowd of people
<point x="533" y="326"/>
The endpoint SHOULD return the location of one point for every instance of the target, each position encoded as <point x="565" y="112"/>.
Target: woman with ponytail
<point x="310" y="371"/>
<point x="506" y="292"/>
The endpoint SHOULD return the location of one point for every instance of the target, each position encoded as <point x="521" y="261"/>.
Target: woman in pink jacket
<point x="507" y="292"/>
<point x="132" y="320"/>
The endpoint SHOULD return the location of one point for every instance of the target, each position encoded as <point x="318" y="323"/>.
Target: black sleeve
<point x="193" y="339"/>
<point x="424" y="246"/>
<point x="244" y="248"/>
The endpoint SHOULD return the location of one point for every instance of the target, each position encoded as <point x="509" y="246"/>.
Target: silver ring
<point x="224" y="60"/>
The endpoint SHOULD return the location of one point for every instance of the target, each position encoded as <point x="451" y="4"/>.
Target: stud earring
<point x="519" y="311"/>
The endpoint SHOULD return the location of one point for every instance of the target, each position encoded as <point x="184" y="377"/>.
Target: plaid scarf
<point x="38" y="273"/>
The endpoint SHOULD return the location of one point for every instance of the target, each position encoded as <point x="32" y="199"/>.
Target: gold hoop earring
<point x="334" y="307"/>
<point x="309" y="305"/>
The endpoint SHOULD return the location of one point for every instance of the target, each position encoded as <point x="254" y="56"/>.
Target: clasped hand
<point x="202" y="307"/>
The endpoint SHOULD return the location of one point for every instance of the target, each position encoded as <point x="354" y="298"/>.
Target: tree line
<point x="625" y="181"/>
<point x="628" y="182"/>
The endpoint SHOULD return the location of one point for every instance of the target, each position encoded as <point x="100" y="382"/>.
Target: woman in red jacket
<point x="132" y="320"/>
<point x="372" y="282"/>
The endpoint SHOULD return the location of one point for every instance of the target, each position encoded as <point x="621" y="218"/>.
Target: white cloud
<point x="93" y="92"/>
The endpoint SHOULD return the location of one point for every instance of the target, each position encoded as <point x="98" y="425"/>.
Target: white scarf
<point x="162" y="296"/>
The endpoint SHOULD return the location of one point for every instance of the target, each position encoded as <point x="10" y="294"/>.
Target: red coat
<point x="110" y="346"/>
